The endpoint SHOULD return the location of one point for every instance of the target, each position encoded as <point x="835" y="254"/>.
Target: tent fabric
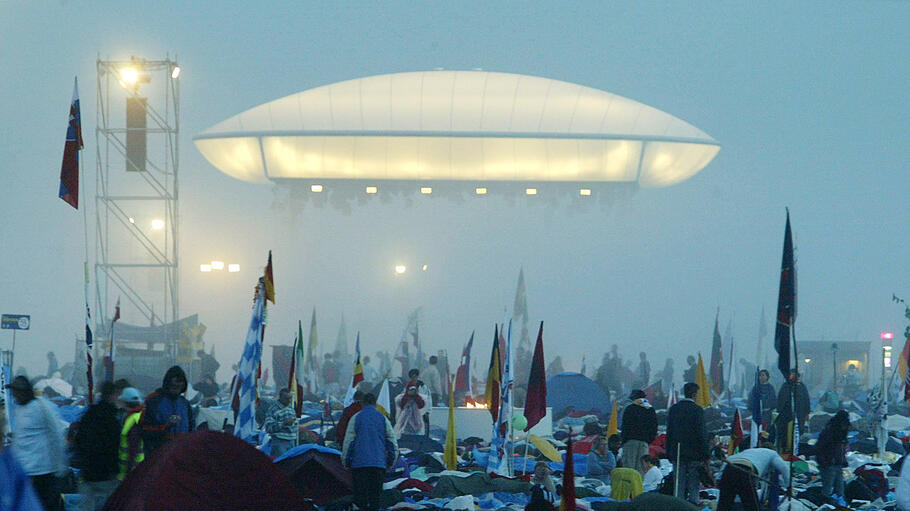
<point x="316" y="472"/>
<point x="574" y="392"/>
<point x="206" y="470"/>
<point x="419" y="443"/>
<point x="476" y="484"/>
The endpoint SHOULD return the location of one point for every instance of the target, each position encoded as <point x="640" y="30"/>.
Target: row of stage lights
<point x="427" y="190"/>
<point x="219" y="266"/>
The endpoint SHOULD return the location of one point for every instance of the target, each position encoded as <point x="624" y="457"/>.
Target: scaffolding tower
<point x="136" y="192"/>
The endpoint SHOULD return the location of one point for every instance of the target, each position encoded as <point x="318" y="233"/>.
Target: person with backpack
<point x="97" y="443"/>
<point x="831" y="454"/>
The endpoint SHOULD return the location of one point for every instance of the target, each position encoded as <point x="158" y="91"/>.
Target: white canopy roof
<point x="457" y="125"/>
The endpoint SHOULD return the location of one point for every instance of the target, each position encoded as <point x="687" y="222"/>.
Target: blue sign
<point x="15" y="321"/>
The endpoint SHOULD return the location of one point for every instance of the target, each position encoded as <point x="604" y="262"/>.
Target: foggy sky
<point x="808" y="101"/>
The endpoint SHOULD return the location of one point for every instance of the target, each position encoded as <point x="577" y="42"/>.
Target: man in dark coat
<point x="167" y="413"/>
<point x="792" y="389"/>
<point x="97" y="444"/>
<point x="687" y="443"/>
<point x="639" y="428"/>
<point x="689" y="374"/>
<point x="831" y="450"/>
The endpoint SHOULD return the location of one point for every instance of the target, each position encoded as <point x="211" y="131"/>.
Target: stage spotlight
<point x="233" y="268"/>
<point x="426" y="190"/>
<point x="399" y="269"/>
<point x="585" y="192"/>
<point x="372" y="189"/>
<point x="129" y="75"/>
<point x="530" y="191"/>
<point x="157" y="224"/>
<point x="316" y="188"/>
<point x="218" y="265"/>
<point x="176" y="72"/>
<point x="205" y="267"/>
<point x="480" y="191"/>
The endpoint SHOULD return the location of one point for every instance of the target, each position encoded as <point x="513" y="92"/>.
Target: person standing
<point x="601" y="460"/>
<point x="280" y="424"/>
<point x="351" y="410"/>
<point x="764" y="392"/>
<point x="97" y="442"/>
<point x="793" y="389"/>
<point x="689" y="374"/>
<point x="666" y="376"/>
<point x="16" y="492"/>
<point x="52" y="365"/>
<point x="411" y="407"/>
<point x="643" y="375"/>
<point x="431" y="378"/>
<point x="38" y="442"/>
<point x="687" y="443"/>
<point x="738" y="477"/>
<point x="167" y="413"/>
<point x="369" y="450"/>
<point x="831" y="449"/>
<point x="639" y="428"/>
<point x="131" y="450"/>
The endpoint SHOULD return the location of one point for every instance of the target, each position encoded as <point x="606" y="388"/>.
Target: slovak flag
<point x="69" y="170"/>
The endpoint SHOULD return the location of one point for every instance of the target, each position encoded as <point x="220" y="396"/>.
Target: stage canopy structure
<point x="475" y="129"/>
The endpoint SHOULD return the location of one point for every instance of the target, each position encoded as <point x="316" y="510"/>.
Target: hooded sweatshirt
<point x="159" y="407"/>
<point x="639" y="422"/>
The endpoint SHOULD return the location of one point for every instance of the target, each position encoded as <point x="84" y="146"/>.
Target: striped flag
<point x="494" y="378"/>
<point x="463" y="373"/>
<point x="736" y="435"/>
<point x="69" y="170"/>
<point x="296" y="379"/>
<point x="246" y="376"/>
<point x="786" y="304"/>
<point x="384" y="401"/>
<point x="357" y="377"/>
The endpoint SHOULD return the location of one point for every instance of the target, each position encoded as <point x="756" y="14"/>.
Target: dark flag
<point x="716" y="371"/>
<point x="69" y="170"/>
<point x="463" y="373"/>
<point x="786" y="304"/>
<point x="568" y="480"/>
<point x="494" y="378"/>
<point x="536" y="400"/>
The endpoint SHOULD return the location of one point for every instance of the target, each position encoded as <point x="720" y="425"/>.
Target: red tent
<point x="206" y="470"/>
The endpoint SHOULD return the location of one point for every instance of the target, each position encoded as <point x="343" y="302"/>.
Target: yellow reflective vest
<point x="131" y="448"/>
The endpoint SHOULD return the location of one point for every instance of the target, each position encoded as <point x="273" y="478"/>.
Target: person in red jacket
<point x="346" y="415"/>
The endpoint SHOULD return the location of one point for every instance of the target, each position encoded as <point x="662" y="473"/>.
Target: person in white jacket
<point x="739" y="476"/>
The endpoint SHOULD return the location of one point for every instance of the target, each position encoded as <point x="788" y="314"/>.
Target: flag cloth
<point x="703" y="399"/>
<point x="269" y="281"/>
<point x="292" y="378"/>
<point x="246" y="370"/>
<point x="297" y="381"/>
<point x="357" y="377"/>
<point x="109" y="358"/>
<point x="341" y="341"/>
<point x="89" y="347"/>
<point x="450" y="455"/>
<point x="69" y="170"/>
<point x="520" y="309"/>
<point x="717" y="361"/>
<point x="757" y="419"/>
<point x="384" y="401"/>
<point x="536" y="399"/>
<point x="463" y="373"/>
<point x="905" y="359"/>
<point x="786" y="304"/>
<point x="312" y="369"/>
<point x="568" y="480"/>
<point x="506" y="408"/>
<point x="613" y="425"/>
<point x="494" y="378"/>
<point x="736" y="436"/>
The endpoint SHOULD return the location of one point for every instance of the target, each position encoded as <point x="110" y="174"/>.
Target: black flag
<point x="786" y="304"/>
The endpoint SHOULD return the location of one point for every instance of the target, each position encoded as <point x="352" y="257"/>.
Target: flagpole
<point x="83" y="191"/>
<point x="794" y="447"/>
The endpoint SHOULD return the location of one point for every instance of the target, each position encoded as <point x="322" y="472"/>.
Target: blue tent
<point x="567" y="392"/>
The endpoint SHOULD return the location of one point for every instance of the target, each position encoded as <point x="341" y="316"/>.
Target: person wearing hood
<point x="831" y="449"/>
<point x="412" y="404"/>
<point x="131" y="449"/>
<point x="639" y="428"/>
<point x="167" y="413"/>
<point x="97" y="442"/>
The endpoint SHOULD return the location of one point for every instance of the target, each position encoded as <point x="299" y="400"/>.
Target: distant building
<point x="818" y="359"/>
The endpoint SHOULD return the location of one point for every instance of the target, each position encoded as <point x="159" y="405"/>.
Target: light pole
<point x="886" y="362"/>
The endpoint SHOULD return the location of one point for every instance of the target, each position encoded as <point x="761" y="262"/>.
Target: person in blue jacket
<point x="167" y="413"/>
<point x="369" y="450"/>
<point x="16" y="492"/>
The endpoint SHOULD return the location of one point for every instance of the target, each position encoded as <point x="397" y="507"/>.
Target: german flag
<point x="269" y="281"/>
<point x="494" y="378"/>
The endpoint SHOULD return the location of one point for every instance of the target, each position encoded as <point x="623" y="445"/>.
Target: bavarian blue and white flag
<point x="500" y="445"/>
<point x="245" y="429"/>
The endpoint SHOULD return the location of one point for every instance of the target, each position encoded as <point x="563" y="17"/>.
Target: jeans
<point x="48" y="490"/>
<point x="367" y="482"/>
<point x="632" y="451"/>
<point x="832" y="481"/>
<point x="689" y="481"/>
<point x="737" y="480"/>
<point x="280" y="446"/>
<point x="95" y="493"/>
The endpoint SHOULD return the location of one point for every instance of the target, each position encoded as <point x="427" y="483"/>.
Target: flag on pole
<point x="520" y="309"/>
<point x="703" y="399"/>
<point x="494" y="378"/>
<point x="297" y="379"/>
<point x="269" y="281"/>
<point x="536" y="400"/>
<point x="450" y="454"/>
<point x="757" y="419"/>
<point x="89" y="347"/>
<point x="506" y="408"/>
<point x="613" y="425"/>
<point x="717" y="361"/>
<point x="384" y="401"/>
<point x="312" y="370"/>
<point x="905" y="373"/>
<point x="463" y="373"/>
<point x="109" y="358"/>
<point x="69" y="170"/>
<point x="568" y="480"/>
<point x="736" y="436"/>
<point x="357" y="377"/>
<point x="341" y="341"/>
<point x="786" y="304"/>
<point x="246" y="371"/>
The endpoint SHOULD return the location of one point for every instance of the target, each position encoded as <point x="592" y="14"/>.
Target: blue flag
<point x="246" y="371"/>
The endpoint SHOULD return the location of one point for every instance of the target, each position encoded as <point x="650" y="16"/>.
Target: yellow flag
<point x="613" y="427"/>
<point x="703" y="399"/>
<point x="450" y="456"/>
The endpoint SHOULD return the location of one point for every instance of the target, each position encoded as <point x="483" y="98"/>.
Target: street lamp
<point x="886" y="363"/>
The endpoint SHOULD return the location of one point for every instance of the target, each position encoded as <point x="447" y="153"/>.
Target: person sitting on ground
<point x="651" y="474"/>
<point x="831" y="454"/>
<point x="131" y="450"/>
<point x="542" y="478"/>
<point x="600" y="460"/>
<point x="167" y="413"/>
<point x="639" y="428"/>
<point x="280" y="424"/>
<point x="738" y="477"/>
<point x="614" y="443"/>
